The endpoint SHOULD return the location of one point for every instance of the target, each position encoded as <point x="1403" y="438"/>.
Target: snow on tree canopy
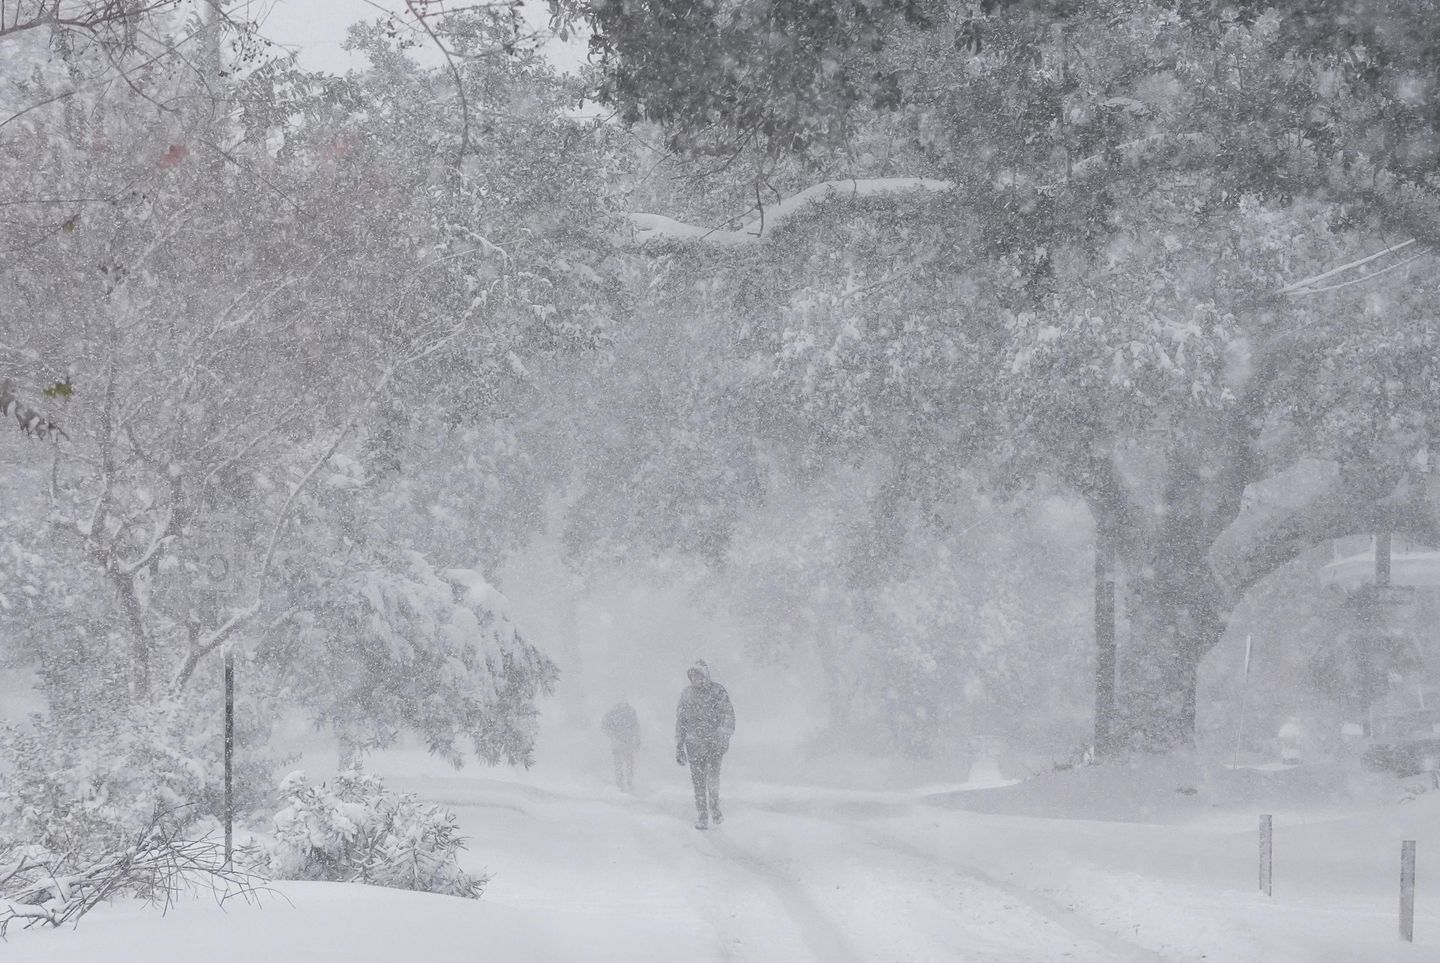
<point x="403" y="646"/>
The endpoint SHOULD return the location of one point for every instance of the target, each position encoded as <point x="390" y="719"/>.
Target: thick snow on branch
<point x="651" y="227"/>
<point x="1311" y="284"/>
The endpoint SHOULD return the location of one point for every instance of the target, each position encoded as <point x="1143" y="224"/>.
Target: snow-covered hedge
<point x="356" y="830"/>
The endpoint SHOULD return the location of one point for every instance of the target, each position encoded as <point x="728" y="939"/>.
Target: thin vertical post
<point x="1104" y="639"/>
<point x="1407" y="890"/>
<point x="1382" y="556"/>
<point x="1244" y="698"/>
<point x="229" y="755"/>
<point x="1266" y="851"/>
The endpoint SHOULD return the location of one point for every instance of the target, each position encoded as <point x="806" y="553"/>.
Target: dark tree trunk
<point x="1176" y="612"/>
<point x="139" y="641"/>
<point x="1156" y="705"/>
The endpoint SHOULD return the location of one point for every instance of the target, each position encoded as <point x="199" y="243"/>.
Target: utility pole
<point x="1382" y="556"/>
<point x="1379" y="614"/>
<point x="1104" y="638"/>
<point x="229" y="755"/>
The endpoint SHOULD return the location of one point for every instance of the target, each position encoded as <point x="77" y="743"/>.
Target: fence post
<point x="1266" y="850"/>
<point x="1407" y="890"/>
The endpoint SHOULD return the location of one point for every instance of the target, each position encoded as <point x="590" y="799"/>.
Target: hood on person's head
<point x="699" y="673"/>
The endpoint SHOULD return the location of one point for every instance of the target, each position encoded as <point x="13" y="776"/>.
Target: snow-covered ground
<point x="585" y="873"/>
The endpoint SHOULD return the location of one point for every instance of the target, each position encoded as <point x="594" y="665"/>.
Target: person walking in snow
<point x="623" y="727"/>
<point x="704" y="723"/>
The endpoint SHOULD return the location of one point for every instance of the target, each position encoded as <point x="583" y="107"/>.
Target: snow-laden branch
<point x="647" y="227"/>
<point x="1309" y="285"/>
<point x="1370" y="276"/>
<point x="658" y="227"/>
<point x="200" y="648"/>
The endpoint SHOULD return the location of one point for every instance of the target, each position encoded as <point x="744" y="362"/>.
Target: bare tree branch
<point x="423" y="19"/>
<point x="94" y="17"/>
<point x="157" y="864"/>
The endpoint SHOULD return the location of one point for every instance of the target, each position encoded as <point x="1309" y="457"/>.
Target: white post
<point x="1266" y="849"/>
<point x="1407" y="890"/>
<point x="1244" y="693"/>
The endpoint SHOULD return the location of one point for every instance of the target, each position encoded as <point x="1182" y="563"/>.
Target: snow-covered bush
<point x="86" y="784"/>
<point x="357" y="831"/>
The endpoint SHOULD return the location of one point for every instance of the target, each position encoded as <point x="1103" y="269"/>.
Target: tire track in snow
<point x="825" y="940"/>
<point x="1067" y="919"/>
<point x="665" y="856"/>
<point x="828" y="942"/>
<point x="815" y="930"/>
<point x="1058" y="913"/>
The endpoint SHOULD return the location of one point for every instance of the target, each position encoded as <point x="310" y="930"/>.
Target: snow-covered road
<point x="784" y="879"/>
<point x="832" y="875"/>
<point x="768" y="885"/>
<point x="798" y="873"/>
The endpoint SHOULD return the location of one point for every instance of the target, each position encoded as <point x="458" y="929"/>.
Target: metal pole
<point x="1104" y="639"/>
<point x="1244" y="697"/>
<point x="1266" y="851"/>
<point x="1407" y="890"/>
<point x="1382" y="557"/>
<point x="229" y="754"/>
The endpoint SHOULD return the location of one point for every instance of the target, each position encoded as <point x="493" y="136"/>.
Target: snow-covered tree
<point x="1101" y="224"/>
<point x="297" y="295"/>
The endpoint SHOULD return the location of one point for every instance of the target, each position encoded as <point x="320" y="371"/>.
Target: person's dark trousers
<point x="624" y="769"/>
<point x="705" y="774"/>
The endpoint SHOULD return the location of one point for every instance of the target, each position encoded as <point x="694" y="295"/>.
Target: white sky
<point x="316" y="28"/>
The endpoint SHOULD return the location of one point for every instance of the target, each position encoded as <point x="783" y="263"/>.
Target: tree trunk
<point x="1175" y="618"/>
<point x="1176" y="612"/>
<point x="139" y="641"/>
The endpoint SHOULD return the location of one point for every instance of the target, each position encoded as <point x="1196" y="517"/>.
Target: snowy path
<point x="799" y="873"/>
<point x="773" y="884"/>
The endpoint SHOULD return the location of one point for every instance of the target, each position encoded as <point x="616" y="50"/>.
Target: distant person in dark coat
<point x="623" y="727"/>
<point x="704" y="723"/>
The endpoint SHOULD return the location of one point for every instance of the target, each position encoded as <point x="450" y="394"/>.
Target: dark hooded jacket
<point x="704" y="720"/>
<point x="622" y="725"/>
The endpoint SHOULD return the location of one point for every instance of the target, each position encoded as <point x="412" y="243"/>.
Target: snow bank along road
<point x="588" y="874"/>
